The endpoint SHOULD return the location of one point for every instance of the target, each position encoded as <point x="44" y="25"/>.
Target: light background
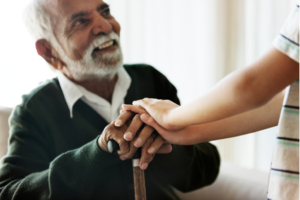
<point x="193" y="42"/>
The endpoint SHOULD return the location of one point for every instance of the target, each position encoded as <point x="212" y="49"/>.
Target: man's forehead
<point x="65" y="9"/>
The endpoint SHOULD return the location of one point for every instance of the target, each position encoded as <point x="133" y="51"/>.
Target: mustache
<point x="101" y="40"/>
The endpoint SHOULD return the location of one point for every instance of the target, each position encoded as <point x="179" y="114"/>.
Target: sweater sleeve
<point x="187" y="167"/>
<point x="29" y="171"/>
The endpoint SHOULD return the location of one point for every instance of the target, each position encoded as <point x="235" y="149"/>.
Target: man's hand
<point x="140" y="136"/>
<point x="114" y="133"/>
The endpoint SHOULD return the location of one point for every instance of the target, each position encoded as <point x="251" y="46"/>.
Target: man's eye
<point x="79" y="22"/>
<point x="106" y="12"/>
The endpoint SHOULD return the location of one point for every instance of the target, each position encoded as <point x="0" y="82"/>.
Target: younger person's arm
<point x="238" y="92"/>
<point x="261" y="118"/>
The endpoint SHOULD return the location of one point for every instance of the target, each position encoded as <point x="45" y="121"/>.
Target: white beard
<point x="95" y="68"/>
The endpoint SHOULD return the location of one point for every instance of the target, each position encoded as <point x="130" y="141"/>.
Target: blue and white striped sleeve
<point x="288" y="40"/>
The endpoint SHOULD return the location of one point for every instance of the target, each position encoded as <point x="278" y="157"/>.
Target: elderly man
<point x="55" y="151"/>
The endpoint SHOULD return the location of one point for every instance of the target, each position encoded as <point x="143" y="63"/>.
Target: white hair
<point x="38" y="22"/>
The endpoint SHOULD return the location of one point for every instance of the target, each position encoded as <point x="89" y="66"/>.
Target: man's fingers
<point x="164" y="149"/>
<point x="133" y="128"/>
<point x="131" y="152"/>
<point x="123" y="118"/>
<point x="146" y="158"/>
<point x="147" y="119"/>
<point x="114" y="133"/>
<point x="135" y="109"/>
<point x="170" y="136"/>
<point x="143" y="136"/>
<point x="124" y="146"/>
<point x="158" y="142"/>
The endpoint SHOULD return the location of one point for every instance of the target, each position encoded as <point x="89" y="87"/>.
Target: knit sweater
<point x="53" y="156"/>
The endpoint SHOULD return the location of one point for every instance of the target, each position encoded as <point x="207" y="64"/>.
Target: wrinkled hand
<point x="160" y="110"/>
<point x="144" y="137"/>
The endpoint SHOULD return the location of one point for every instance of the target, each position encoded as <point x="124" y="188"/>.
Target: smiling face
<point x="88" y="36"/>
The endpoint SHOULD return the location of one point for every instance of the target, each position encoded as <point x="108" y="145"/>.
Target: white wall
<point x="20" y="67"/>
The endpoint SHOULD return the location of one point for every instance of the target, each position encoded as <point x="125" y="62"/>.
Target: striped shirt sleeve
<point x="287" y="41"/>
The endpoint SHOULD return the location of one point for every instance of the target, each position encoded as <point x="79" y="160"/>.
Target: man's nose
<point x="102" y="26"/>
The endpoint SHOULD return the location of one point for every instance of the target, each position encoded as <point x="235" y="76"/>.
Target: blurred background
<point x="195" y="43"/>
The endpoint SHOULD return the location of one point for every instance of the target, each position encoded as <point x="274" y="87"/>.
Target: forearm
<point x="71" y="175"/>
<point x="248" y="122"/>
<point x="220" y="102"/>
<point x="240" y="91"/>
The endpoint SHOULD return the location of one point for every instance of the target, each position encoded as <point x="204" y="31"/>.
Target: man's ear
<point x="44" y="49"/>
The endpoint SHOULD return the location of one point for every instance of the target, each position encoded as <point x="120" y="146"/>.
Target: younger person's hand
<point x="160" y="110"/>
<point x="180" y="137"/>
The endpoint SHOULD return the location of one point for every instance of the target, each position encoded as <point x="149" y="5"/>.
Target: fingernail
<point x="151" y="150"/>
<point x="144" y="166"/>
<point x="128" y="136"/>
<point x="118" y="122"/>
<point x="138" y="142"/>
<point x="144" y="116"/>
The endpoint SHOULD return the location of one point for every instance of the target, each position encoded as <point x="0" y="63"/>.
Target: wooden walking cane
<point x="138" y="174"/>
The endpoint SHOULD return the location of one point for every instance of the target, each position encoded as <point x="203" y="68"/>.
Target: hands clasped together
<point x="131" y="133"/>
<point x="160" y="114"/>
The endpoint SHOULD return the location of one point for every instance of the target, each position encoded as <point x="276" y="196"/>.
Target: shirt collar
<point x="73" y="92"/>
<point x="70" y="91"/>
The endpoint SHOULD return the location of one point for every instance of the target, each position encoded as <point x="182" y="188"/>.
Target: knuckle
<point x="137" y="117"/>
<point x="150" y="139"/>
<point x="125" y="112"/>
<point x="132" y="127"/>
<point x="123" y="143"/>
<point x="149" y="158"/>
<point x="109" y="128"/>
<point x="128" y="113"/>
<point x="122" y="115"/>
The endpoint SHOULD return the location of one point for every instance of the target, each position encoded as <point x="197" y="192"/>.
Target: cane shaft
<point x="139" y="181"/>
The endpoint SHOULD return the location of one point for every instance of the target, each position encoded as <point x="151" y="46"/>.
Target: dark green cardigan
<point x="53" y="156"/>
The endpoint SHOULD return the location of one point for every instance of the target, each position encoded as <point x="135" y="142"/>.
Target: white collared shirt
<point x="73" y="92"/>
